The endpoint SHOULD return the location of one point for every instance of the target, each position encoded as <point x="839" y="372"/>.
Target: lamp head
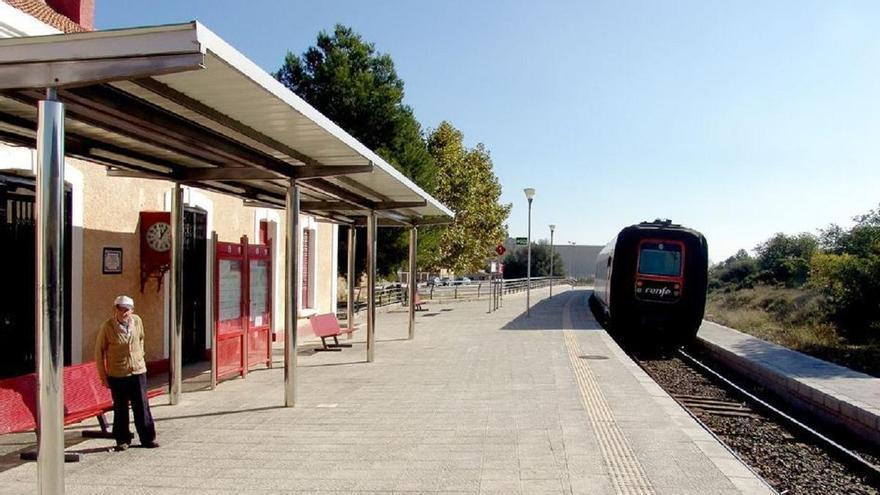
<point x="552" y="227"/>
<point x="530" y="193"/>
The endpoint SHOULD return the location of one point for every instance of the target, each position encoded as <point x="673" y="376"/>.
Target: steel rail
<point x="870" y="469"/>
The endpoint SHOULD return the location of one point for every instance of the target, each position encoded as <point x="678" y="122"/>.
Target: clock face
<point x="159" y="237"/>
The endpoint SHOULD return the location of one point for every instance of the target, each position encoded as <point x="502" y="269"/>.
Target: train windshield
<point x="657" y="258"/>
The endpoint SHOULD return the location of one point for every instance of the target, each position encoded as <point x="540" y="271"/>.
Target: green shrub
<point x="852" y="284"/>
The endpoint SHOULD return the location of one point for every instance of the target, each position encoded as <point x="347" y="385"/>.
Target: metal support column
<point x="291" y="292"/>
<point x="491" y="294"/>
<point x="212" y="315"/>
<point x="529" y="264"/>
<point x="352" y="281"/>
<point x="371" y="285"/>
<point x="552" y="228"/>
<point x="413" y="287"/>
<point x="175" y="373"/>
<point x="50" y="302"/>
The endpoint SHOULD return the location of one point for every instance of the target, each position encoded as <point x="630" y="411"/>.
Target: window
<point x="658" y="258"/>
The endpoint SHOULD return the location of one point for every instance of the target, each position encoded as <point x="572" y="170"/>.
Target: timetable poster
<point x="259" y="290"/>
<point x="230" y="289"/>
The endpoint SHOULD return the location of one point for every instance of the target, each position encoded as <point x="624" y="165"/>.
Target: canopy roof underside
<point x="178" y="103"/>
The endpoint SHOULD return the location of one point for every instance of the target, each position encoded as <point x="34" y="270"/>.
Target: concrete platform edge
<point x="740" y="474"/>
<point x="852" y="417"/>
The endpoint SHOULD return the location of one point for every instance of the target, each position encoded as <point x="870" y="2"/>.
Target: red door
<point x="306" y="274"/>
<point x="242" y="307"/>
<point x="229" y="309"/>
<point x="259" y="344"/>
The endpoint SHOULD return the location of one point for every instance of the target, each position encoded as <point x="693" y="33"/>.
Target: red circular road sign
<point x="500" y="250"/>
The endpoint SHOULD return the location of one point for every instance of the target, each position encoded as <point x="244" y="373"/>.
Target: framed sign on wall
<point x="112" y="261"/>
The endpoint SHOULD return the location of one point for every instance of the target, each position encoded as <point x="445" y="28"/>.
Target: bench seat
<point x="84" y="397"/>
<point x="326" y="326"/>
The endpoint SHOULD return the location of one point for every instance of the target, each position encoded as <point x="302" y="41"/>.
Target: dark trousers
<point x="131" y="389"/>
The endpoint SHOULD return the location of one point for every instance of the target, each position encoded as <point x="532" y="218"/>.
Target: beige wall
<point x="110" y="219"/>
<point x="111" y="216"/>
<point x="325" y="269"/>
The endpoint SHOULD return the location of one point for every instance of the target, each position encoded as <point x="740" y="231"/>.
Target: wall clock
<point x="155" y="233"/>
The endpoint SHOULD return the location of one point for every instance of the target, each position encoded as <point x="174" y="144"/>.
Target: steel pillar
<point x="352" y="281"/>
<point x="413" y="287"/>
<point x="291" y="292"/>
<point x="50" y="302"/>
<point x="212" y="280"/>
<point x="371" y="285"/>
<point x="175" y="286"/>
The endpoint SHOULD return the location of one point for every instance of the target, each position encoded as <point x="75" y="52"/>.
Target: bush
<point x="785" y="259"/>
<point x="738" y="271"/>
<point x="852" y="284"/>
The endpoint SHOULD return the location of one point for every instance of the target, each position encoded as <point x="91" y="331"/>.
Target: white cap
<point x="124" y="301"/>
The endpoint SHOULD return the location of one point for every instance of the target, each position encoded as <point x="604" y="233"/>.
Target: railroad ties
<point x="714" y="406"/>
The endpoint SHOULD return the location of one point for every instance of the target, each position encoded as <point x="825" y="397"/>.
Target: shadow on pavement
<point x="330" y="364"/>
<point x="547" y="313"/>
<point x="218" y="413"/>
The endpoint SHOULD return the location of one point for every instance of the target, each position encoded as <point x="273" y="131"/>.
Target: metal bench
<point x="417" y="303"/>
<point x="326" y="326"/>
<point x="84" y="397"/>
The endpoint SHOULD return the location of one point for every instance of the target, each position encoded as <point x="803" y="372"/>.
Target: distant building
<point x="579" y="260"/>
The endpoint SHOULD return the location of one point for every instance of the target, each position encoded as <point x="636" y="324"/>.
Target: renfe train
<point x="651" y="283"/>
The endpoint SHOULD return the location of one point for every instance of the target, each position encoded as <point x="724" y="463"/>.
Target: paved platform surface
<point x="477" y="403"/>
<point x="838" y="394"/>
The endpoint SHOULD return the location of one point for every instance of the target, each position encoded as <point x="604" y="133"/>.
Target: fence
<point x="493" y="289"/>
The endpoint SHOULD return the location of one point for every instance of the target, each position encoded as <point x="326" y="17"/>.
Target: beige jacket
<point x="118" y="355"/>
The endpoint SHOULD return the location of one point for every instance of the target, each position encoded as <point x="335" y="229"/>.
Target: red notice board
<point x="229" y="308"/>
<point x="259" y="314"/>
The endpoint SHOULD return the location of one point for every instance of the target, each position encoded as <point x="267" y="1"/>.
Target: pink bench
<point x="326" y="326"/>
<point x="417" y="303"/>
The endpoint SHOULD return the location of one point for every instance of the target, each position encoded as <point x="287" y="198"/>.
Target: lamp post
<point x="530" y="193"/>
<point x="552" y="228"/>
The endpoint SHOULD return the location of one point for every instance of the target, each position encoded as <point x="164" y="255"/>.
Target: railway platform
<point x="836" y="394"/>
<point x="478" y="402"/>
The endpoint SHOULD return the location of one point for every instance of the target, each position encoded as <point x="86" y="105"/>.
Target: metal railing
<point x="385" y="295"/>
<point x="493" y="290"/>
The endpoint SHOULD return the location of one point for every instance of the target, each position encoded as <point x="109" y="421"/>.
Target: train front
<point x="660" y="282"/>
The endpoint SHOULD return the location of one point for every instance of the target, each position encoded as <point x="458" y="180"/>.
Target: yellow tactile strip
<point x="627" y="474"/>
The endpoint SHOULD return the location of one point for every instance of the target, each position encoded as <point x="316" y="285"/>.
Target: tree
<point x="346" y="79"/>
<point x="467" y="184"/>
<point x="516" y="261"/>
<point x="849" y="274"/>
<point x="860" y="240"/>
<point x="785" y="259"/>
<point x="740" y="270"/>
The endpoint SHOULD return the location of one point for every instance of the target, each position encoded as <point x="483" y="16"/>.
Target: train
<point x="650" y="285"/>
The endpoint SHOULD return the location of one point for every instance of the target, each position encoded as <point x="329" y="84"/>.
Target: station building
<point x="117" y="228"/>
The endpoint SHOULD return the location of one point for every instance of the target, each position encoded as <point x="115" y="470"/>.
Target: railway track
<point x="790" y="455"/>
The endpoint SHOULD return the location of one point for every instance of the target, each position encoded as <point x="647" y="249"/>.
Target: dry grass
<point x="793" y="318"/>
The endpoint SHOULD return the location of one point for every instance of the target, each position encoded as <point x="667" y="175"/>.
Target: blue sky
<point x="740" y="119"/>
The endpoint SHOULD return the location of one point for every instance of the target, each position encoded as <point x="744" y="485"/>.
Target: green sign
<point x="522" y="241"/>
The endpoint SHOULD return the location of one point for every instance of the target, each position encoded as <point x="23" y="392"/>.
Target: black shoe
<point x="150" y="445"/>
<point x="121" y="447"/>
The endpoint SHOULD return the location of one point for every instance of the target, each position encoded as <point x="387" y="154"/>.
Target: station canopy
<point x="178" y="103"/>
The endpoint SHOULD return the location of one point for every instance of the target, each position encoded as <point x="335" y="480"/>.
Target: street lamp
<point x="530" y="193"/>
<point x="552" y="228"/>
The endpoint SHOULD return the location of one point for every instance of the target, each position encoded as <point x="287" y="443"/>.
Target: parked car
<point x="461" y="281"/>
